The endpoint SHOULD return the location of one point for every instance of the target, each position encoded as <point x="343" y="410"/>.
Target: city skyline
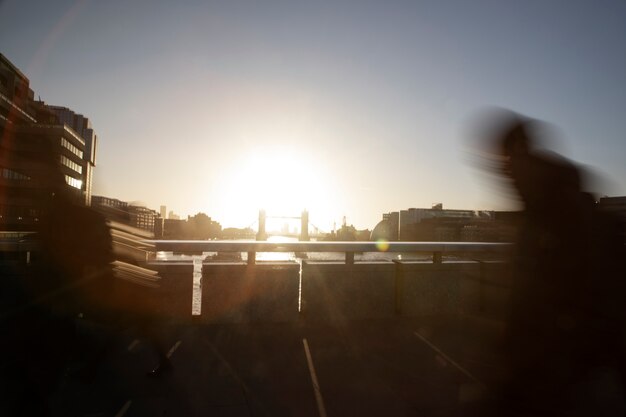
<point x="348" y="109"/>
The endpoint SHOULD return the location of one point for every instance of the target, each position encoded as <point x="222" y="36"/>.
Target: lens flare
<point x="382" y="245"/>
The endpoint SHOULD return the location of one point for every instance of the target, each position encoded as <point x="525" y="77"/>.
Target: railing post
<point x="481" y="291"/>
<point x="304" y="226"/>
<point x="349" y="258"/>
<point x="437" y="257"/>
<point x="398" y="287"/>
<point x="261" y="234"/>
<point x="251" y="258"/>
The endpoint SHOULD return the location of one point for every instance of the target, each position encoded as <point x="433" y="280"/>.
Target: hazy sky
<point x="351" y="108"/>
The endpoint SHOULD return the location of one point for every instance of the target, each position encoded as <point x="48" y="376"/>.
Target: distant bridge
<point x="304" y="234"/>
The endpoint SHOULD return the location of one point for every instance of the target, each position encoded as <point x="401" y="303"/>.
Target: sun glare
<point x="283" y="183"/>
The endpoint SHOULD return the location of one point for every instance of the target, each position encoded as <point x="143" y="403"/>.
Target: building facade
<point x="437" y="224"/>
<point x="81" y="125"/>
<point x="121" y="211"/>
<point x="38" y="152"/>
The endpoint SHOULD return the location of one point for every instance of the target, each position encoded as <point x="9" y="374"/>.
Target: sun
<point x="281" y="182"/>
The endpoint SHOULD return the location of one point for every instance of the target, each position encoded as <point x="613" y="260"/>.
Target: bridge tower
<point x="304" y="226"/>
<point x="261" y="234"/>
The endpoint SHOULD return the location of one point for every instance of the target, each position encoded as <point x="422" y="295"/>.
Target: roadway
<point x="392" y="367"/>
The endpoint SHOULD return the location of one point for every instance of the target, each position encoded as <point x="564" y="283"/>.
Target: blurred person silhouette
<point x="70" y="276"/>
<point x="564" y="339"/>
<point x="80" y="278"/>
<point x="79" y="272"/>
<point x="138" y="290"/>
<point x="137" y="287"/>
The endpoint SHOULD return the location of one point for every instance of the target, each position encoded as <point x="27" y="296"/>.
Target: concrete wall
<point x="172" y="299"/>
<point x="425" y="288"/>
<point x="487" y="293"/>
<point x="452" y="288"/>
<point x="336" y="292"/>
<point x="330" y="291"/>
<point x="240" y="293"/>
<point x="176" y="288"/>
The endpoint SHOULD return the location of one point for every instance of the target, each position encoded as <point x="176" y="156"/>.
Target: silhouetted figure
<point x="70" y="275"/>
<point x="563" y="343"/>
<point x="140" y="298"/>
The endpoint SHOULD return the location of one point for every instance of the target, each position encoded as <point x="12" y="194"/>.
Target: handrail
<point x="334" y="246"/>
<point x="349" y="248"/>
<point x="252" y="247"/>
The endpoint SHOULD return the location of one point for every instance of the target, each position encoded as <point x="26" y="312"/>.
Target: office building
<point x="81" y="125"/>
<point x="35" y="143"/>
<point x="438" y="224"/>
<point x="121" y="211"/>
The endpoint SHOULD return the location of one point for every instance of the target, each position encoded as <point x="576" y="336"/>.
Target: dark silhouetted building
<point x="236" y="233"/>
<point x="198" y="227"/>
<point x="439" y="224"/>
<point x="29" y="131"/>
<point x="392" y="221"/>
<point x="81" y="125"/>
<point x="173" y="228"/>
<point x="126" y="213"/>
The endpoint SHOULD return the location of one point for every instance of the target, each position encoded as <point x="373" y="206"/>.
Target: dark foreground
<point x="365" y="368"/>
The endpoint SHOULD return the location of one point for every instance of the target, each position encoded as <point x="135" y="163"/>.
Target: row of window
<point x="19" y="211"/>
<point x="29" y="117"/>
<point x="12" y="175"/>
<point x="71" y="131"/>
<point x="71" y="164"/>
<point x="67" y="145"/>
<point x="74" y="182"/>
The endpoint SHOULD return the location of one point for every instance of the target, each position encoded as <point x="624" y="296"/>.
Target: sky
<point x="343" y="108"/>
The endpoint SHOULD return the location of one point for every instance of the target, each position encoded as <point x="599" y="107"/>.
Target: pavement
<point x="393" y="367"/>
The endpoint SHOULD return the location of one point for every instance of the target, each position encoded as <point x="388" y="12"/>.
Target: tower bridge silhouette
<point x="304" y="234"/>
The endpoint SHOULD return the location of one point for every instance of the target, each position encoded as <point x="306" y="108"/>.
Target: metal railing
<point x="437" y="249"/>
<point x="180" y="292"/>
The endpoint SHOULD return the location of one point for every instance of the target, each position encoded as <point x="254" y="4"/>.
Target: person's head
<point x="502" y="138"/>
<point x="514" y="140"/>
<point x="502" y="133"/>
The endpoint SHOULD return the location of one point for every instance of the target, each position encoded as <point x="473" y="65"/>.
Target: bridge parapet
<point x="242" y="293"/>
<point x="325" y="291"/>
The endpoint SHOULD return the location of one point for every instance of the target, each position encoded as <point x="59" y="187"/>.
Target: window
<point x="67" y="145"/>
<point x="12" y="175"/>
<point x="71" y="164"/>
<point x="73" y="182"/>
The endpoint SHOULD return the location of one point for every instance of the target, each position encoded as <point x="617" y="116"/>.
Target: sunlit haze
<point x="342" y="108"/>
<point x="282" y="181"/>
